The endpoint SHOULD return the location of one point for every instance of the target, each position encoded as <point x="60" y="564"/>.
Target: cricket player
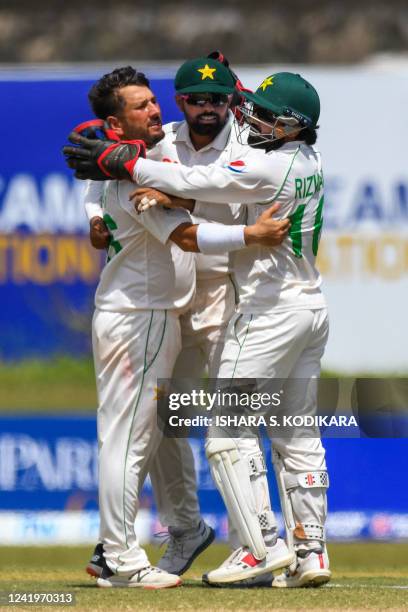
<point x="144" y="287"/>
<point x="281" y="328"/>
<point x="204" y="137"/>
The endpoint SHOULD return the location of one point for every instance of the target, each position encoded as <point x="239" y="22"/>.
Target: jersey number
<point x="295" y="231"/>
<point x="114" y="244"/>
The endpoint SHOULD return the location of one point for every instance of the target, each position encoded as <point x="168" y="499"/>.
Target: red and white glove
<point x="101" y="160"/>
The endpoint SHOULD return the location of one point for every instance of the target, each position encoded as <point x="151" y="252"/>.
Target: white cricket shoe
<point x="257" y="582"/>
<point x="311" y="571"/>
<point x="185" y="546"/>
<point x="147" y="578"/>
<point x="242" y="564"/>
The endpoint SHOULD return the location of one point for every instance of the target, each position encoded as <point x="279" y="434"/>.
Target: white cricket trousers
<point x="203" y="329"/>
<point x="285" y="345"/>
<point x="131" y="351"/>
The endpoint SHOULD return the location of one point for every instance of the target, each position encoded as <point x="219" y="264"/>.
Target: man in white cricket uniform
<point x="144" y="286"/>
<point x="281" y="328"/>
<point x="136" y="337"/>
<point x="206" y="136"/>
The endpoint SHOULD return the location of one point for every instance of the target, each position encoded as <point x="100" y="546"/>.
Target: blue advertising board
<point x="48" y="270"/>
<point x="49" y="465"/>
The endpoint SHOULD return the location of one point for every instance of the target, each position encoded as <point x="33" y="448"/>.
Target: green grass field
<point x="365" y="575"/>
<point x="58" y="385"/>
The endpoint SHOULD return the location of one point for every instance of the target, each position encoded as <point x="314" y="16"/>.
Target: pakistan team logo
<point x="268" y="82"/>
<point x="207" y="72"/>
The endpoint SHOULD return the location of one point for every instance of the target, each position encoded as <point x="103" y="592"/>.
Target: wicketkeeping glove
<point x="101" y="160"/>
<point x="96" y="129"/>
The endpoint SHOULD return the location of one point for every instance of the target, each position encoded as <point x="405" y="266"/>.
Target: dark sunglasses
<point x="289" y="117"/>
<point x="264" y="114"/>
<point x="215" y="99"/>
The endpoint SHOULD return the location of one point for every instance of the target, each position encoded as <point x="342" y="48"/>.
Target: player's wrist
<point x="215" y="238"/>
<point x="250" y="235"/>
<point x="186" y="204"/>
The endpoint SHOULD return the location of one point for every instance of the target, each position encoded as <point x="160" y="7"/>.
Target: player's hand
<point x="267" y="231"/>
<point x="101" y="160"/>
<point x="98" y="233"/>
<point x="146" y="197"/>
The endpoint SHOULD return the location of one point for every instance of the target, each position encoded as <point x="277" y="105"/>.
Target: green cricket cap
<point x="204" y="75"/>
<point x="288" y="94"/>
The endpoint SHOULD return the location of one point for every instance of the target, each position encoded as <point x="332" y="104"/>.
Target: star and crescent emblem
<point x="266" y="83"/>
<point x="207" y="72"/>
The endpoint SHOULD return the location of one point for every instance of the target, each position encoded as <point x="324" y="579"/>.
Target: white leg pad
<point x="299" y="492"/>
<point x="308" y="489"/>
<point x="231" y="474"/>
<point x="250" y="450"/>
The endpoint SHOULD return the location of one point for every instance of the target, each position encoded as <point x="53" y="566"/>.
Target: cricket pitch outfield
<point x="368" y="575"/>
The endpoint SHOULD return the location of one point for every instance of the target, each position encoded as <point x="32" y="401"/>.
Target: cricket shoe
<point x="242" y="564"/>
<point x="312" y="570"/>
<point x="257" y="582"/>
<point x="96" y="562"/>
<point x="185" y="546"/>
<point x="149" y="577"/>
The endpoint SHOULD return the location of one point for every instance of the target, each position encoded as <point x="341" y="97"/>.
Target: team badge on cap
<point x="266" y="83"/>
<point x="207" y="72"/>
<point x="204" y="75"/>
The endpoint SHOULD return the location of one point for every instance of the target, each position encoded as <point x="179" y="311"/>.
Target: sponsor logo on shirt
<point x="237" y="166"/>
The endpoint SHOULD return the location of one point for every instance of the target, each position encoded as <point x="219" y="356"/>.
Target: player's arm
<point x="215" y="238"/>
<point x="249" y="180"/>
<point x="98" y="232"/>
<point x="208" y="238"/>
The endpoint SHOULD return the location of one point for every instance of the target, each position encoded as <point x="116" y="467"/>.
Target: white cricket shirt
<point x="144" y="269"/>
<point x="176" y="147"/>
<point x="280" y="278"/>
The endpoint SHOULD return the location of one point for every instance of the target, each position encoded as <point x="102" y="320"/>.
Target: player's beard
<point x="136" y="132"/>
<point x="266" y="145"/>
<point x="207" y="129"/>
<point x="151" y="141"/>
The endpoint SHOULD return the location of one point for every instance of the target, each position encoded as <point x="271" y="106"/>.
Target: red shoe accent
<point x="249" y="559"/>
<point x="321" y="560"/>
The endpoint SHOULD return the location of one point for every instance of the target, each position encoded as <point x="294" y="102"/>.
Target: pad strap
<point x="257" y="465"/>
<point x="309" y="531"/>
<point x="307" y="480"/>
<point x="267" y="520"/>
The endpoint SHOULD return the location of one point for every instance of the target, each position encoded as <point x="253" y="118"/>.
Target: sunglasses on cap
<point x="198" y="99"/>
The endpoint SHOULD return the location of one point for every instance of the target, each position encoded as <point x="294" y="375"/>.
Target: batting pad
<point x="231" y="475"/>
